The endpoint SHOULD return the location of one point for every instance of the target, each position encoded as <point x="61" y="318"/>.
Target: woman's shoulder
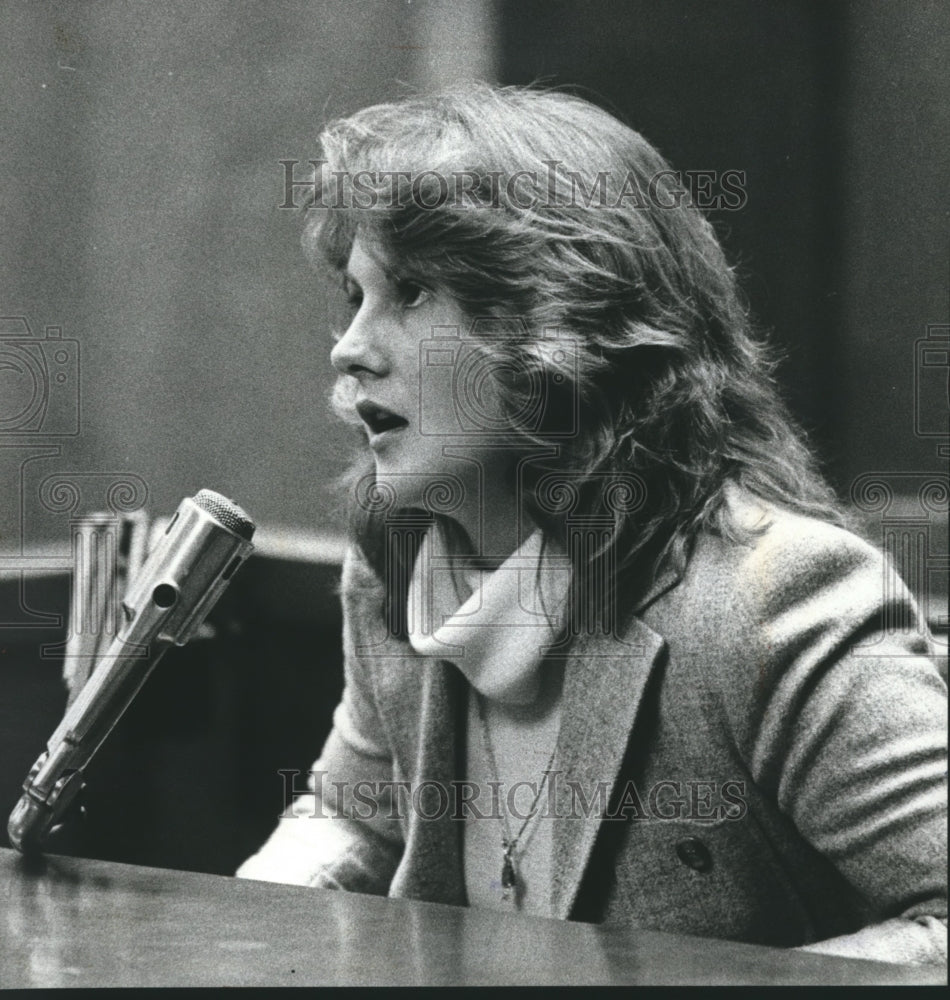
<point x="791" y="599"/>
<point x="775" y="543"/>
<point x="772" y="559"/>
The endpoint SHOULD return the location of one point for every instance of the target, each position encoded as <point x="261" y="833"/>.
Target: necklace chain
<point x="509" y="878"/>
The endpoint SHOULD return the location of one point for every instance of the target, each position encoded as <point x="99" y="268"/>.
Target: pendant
<point x="508" y="880"/>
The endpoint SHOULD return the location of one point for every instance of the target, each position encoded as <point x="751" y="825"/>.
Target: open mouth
<point x="378" y="419"/>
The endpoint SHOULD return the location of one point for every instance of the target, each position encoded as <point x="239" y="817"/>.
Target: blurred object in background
<point x="108" y="550"/>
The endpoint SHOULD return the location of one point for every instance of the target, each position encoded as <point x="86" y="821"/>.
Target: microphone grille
<point x="226" y="511"/>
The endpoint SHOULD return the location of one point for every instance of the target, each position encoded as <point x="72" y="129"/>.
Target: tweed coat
<point x="767" y="732"/>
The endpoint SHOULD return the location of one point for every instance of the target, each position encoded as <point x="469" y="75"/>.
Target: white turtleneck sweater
<point x="493" y="625"/>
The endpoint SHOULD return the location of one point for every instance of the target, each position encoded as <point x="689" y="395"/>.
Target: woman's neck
<point x="493" y="526"/>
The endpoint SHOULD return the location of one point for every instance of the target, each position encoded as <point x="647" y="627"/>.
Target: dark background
<point x="140" y="183"/>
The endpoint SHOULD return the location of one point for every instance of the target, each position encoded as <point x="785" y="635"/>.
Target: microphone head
<point x="226" y="511"/>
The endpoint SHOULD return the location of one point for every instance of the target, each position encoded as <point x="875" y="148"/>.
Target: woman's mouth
<point x="379" y="422"/>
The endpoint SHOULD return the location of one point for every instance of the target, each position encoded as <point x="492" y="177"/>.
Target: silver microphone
<point x="192" y="563"/>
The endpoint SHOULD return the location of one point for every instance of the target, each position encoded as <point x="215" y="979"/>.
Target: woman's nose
<point x="358" y="351"/>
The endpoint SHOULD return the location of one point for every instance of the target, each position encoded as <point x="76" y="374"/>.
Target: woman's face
<point x="401" y="348"/>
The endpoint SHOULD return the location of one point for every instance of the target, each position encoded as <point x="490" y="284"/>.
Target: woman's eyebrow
<point x="393" y="275"/>
<point x="383" y="262"/>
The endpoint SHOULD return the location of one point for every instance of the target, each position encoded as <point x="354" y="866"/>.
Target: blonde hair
<point x="538" y="205"/>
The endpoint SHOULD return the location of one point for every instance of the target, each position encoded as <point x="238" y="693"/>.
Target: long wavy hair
<point x="542" y="212"/>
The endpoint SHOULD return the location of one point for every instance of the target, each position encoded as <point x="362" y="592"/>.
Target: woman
<point x="610" y="652"/>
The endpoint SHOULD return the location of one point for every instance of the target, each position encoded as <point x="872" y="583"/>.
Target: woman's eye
<point x="412" y="294"/>
<point x="352" y="293"/>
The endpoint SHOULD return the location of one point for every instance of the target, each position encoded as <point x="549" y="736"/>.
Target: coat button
<point x="695" y="853"/>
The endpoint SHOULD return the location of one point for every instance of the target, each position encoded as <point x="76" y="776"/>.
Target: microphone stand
<point x="191" y="565"/>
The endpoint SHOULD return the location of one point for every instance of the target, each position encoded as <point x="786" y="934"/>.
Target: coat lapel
<point x="604" y="681"/>
<point x="427" y="692"/>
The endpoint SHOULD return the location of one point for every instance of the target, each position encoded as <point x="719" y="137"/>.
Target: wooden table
<point x="76" y="922"/>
